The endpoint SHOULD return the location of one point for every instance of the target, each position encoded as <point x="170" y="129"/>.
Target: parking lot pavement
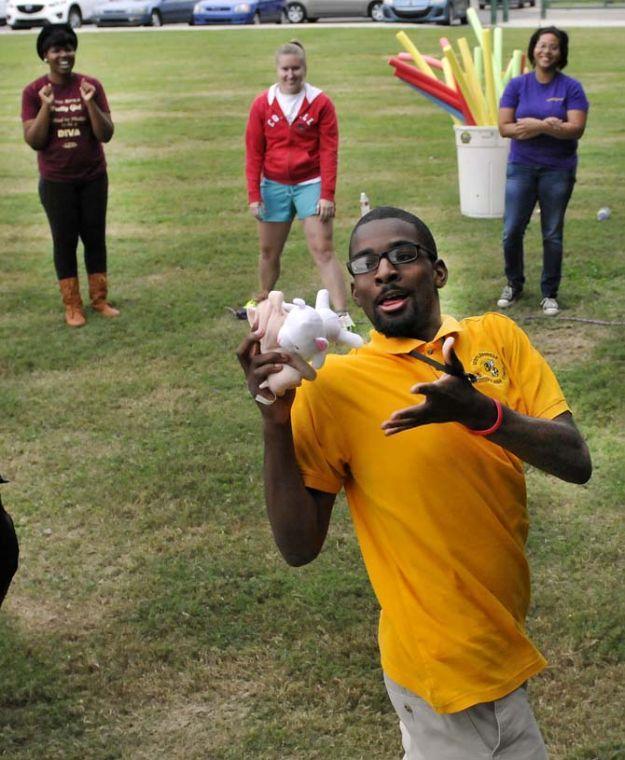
<point x="518" y="18"/>
<point x="567" y="18"/>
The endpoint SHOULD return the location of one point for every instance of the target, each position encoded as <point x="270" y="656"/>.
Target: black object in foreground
<point x="238" y="313"/>
<point x="9" y="549"/>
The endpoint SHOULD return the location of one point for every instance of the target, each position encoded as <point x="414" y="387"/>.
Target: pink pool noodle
<point x="435" y="63"/>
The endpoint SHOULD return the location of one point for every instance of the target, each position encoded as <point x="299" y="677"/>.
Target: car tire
<point x="74" y="17"/>
<point x="375" y="11"/>
<point x="155" y="18"/>
<point x="449" y="16"/>
<point x="296" y="13"/>
<point x="464" y="20"/>
<point x="482" y="6"/>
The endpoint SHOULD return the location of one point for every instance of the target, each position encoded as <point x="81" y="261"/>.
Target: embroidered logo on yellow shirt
<point x="489" y="366"/>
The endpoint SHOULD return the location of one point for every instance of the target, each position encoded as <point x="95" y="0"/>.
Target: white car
<point x="24" y="14"/>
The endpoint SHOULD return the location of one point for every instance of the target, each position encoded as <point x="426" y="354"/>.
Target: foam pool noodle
<point x="516" y="63"/>
<point x="451" y="83"/>
<point x="476" y="25"/>
<point x="434" y="62"/>
<point x="420" y="62"/>
<point x="491" y="97"/>
<point x="471" y="76"/>
<point x="497" y="58"/>
<point x="421" y="81"/>
<point x="456" y="114"/>
<point x="507" y="75"/>
<point x="464" y="89"/>
<point x="478" y="62"/>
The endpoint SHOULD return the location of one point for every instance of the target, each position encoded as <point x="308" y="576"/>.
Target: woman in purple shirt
<point x="544" y="112"/>
<point x="66" y="119"/>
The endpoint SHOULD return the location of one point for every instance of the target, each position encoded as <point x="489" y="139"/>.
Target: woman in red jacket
<point x="66" y="119"/>
<point x="291" y="160"/>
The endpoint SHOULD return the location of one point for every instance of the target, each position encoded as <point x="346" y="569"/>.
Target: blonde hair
<point x="294" y="47"/>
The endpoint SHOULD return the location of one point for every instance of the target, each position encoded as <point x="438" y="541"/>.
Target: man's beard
<point x="404" y="326"/>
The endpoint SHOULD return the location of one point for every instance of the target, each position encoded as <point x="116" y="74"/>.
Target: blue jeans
<point x="552" y="189"/>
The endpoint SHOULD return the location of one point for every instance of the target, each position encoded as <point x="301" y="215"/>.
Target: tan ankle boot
<point x="74" y="314"/>
<point x="98" y="290"/>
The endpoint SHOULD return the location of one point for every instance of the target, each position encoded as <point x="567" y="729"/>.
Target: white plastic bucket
<point x="482" y="160"/>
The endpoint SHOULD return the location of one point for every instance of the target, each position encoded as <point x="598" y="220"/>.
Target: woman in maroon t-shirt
<point x="66" y="119"/>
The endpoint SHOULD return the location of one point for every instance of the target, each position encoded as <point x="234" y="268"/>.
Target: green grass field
<point x="151" y="616"/>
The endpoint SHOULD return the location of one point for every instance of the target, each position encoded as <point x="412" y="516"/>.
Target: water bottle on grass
<point x="365" y="206"/>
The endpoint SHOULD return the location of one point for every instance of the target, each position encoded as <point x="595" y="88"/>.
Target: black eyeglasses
<point x="405" y="253"/>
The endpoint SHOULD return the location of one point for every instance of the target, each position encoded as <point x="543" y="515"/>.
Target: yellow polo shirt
<point x="440" y="514"/>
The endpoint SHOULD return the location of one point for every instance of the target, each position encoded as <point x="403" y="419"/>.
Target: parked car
<point x="238" y="12"/>
<point x="511" y="3"/>
<point x="423" y="11"/>
<point x="24" y="14"/>
<point x="143" y="12"/>
<point x="298" y="11"/>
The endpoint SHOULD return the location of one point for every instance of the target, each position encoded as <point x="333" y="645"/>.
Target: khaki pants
<point x="504" y="729"/>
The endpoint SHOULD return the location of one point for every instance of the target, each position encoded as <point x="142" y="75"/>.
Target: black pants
<point x="9" y="551"/>
<point x="76" y="209"/>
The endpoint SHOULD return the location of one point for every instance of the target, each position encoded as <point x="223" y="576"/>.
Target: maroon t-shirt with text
<point x="73" y="153"/>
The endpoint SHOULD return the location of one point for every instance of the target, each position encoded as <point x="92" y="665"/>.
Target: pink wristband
<point x="496" y="424"/>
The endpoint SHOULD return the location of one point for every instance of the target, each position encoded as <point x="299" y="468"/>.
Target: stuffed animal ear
<point x="323" y="299"/>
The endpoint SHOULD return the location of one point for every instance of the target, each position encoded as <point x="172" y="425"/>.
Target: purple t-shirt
<point x="529" y="98"/>
<point x="73" y="153"/>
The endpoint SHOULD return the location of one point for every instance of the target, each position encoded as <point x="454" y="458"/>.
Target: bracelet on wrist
<point x="496" y="424"/>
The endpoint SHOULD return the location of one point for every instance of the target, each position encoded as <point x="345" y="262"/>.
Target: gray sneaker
<point x="550" y="307"/>
<point x="508" y="297"/>
<point x="346" y="321"/>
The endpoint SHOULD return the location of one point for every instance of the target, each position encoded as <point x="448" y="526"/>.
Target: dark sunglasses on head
<point x="401" y="254"/>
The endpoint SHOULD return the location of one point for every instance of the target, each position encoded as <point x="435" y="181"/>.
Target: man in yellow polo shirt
<point x="426" y="428"/>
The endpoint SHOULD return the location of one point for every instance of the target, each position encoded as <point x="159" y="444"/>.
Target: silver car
<point x="298" y="11"/>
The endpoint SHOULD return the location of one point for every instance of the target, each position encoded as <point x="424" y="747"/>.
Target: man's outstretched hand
<point x="451" y="398"/>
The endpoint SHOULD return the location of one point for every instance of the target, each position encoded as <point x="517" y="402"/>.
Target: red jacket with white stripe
<point x="292" y="153"/>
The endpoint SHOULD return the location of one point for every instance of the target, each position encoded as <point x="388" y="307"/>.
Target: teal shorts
<point x="282" y="202"/>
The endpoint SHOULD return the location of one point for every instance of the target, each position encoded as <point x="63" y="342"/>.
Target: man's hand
<point x="257" y="368"/>
<point x="448" y="399"/>
<point x="256" y="210"/>
<point x="87" y="90"/>
<point x="325" y="209"/>
<point x="46" y="95"/>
